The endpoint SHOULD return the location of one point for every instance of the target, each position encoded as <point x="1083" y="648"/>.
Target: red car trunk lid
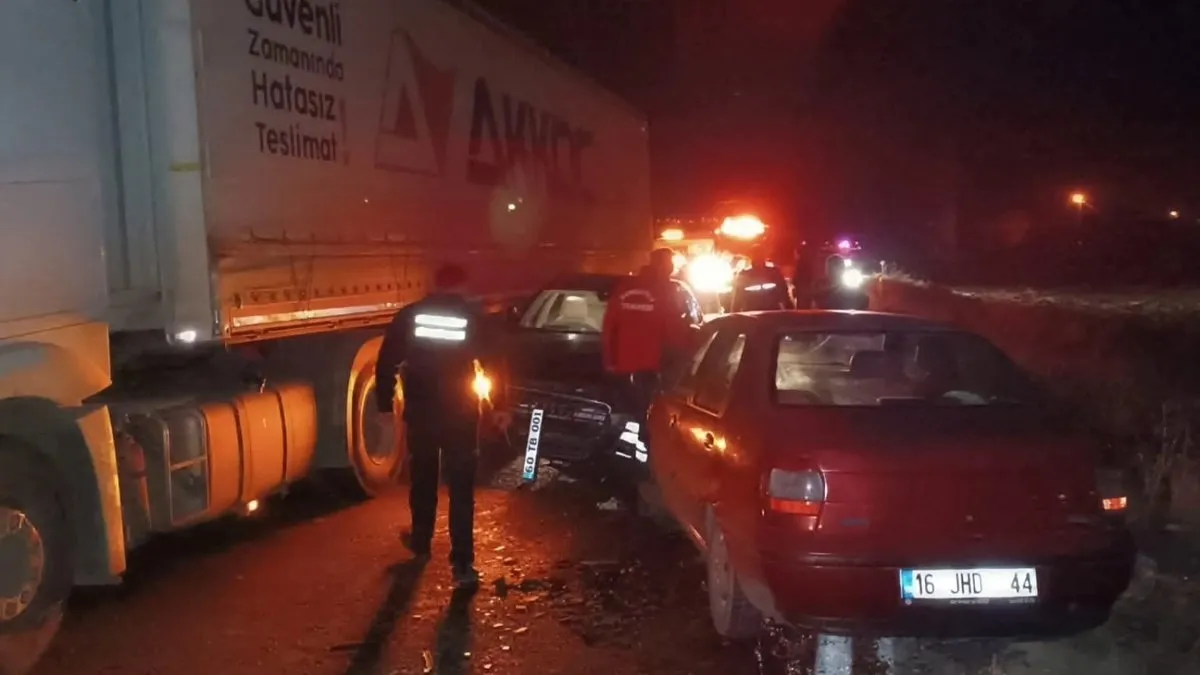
<point x="949" y="484"/>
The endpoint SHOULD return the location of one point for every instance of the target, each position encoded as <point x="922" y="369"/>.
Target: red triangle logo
<point x="405" y="124"/>
<point x="418" y="105"/>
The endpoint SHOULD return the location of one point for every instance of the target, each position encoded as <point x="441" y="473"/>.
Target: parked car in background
<point x="859" y="472"/>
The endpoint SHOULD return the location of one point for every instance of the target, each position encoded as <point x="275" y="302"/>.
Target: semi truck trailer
<point x="208" y="210"/>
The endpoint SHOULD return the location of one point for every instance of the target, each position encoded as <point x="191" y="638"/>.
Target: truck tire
<point x="733" y="617"/>
<point x="378" y="451"/>
<point x="35" y="543"/>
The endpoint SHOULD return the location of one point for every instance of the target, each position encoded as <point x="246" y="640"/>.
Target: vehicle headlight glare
<point x="852" y="278"/>
<point x="710" y="274"/>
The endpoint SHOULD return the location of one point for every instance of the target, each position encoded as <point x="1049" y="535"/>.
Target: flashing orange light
<point x="742" y="227"/>
<point x="482" y="384"/>
<point x="672" y="234"/>
<point x="1078" y="199"/>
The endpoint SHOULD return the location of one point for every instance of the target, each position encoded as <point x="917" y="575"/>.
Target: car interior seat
<point x="574" y="312"/>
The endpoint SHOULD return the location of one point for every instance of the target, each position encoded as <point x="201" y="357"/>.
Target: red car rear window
<point x="896" y="368"/>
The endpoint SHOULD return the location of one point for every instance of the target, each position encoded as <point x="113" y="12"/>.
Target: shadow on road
<point x="454" y="634"/>
<point x="165" y="553"/>
<point x="406" y="576"/>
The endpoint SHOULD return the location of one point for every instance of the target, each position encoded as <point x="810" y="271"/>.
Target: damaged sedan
<point x="567" y="409"/>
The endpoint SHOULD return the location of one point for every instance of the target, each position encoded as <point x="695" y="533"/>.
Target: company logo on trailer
<point x="508" y="137"/>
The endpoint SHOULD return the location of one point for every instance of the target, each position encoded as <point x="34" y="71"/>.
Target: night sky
<point x="894" y="118"/>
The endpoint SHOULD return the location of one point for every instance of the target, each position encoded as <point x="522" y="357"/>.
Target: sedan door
<point x="666" y="451"/>
<point x="703" y="435"/>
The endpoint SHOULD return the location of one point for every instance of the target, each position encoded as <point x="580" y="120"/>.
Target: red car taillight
<point x="796" y="493"/>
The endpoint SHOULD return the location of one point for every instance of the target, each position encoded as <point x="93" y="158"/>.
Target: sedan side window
<point x="689" y="303"/>
<point x="714" y="381"/>
<point x="683" y="381"/>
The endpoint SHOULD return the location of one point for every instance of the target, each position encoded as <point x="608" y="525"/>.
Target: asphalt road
<point x="307" y="586"/>
<point x="568" y="588"/>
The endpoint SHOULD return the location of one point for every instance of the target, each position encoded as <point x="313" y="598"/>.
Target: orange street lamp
<point x="1080" y="201"/>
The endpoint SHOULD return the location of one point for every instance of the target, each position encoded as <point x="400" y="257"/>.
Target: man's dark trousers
<point x="443" y="444"/>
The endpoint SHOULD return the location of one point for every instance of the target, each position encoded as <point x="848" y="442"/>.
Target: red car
<point x="875" y="474"/>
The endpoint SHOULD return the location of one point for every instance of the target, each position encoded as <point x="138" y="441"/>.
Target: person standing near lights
<point x="436" y="348"/>
<point x="645" y="330"/>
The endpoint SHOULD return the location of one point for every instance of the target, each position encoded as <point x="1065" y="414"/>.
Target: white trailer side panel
<point x="53" y="165"/>
<point x="346" y="146"/>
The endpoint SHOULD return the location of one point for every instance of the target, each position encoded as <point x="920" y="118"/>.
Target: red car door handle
<point x="709" y="441"/>
<point x="673" y="421"/>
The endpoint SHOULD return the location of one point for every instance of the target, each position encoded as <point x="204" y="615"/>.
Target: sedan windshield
<point x="896" y="368"/>
<point x="569" y="311"/>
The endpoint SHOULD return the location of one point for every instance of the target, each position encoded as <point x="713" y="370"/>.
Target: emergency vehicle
<point x="709" y="252"/>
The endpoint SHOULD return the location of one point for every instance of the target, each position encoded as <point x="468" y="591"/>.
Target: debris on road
<point x="613" y="504"/>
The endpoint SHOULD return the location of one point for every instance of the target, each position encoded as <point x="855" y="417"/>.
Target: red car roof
<point x="831" y="320"/>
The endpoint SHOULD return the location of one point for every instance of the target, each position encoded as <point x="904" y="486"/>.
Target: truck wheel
<point x="378" y="452"/>
<point x="733" y="617"/>
<point x="35" y="545"/>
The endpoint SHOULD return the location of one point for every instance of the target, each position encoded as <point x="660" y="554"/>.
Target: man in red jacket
<point x="645" y="328"/>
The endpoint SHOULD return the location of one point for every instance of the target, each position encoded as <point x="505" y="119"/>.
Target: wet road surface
<point x="569" y="587"/>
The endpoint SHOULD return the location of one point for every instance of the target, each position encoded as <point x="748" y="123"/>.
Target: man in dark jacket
<point x="806" y="276"/>
<point x="433" y="347"/>
<point x="760" y="287"/>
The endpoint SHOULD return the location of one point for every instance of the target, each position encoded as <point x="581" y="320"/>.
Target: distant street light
<point x="1173" y="214"/>
<point x="1080" y="201"/>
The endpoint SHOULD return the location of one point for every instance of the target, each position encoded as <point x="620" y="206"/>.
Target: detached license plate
<point x="969" y="584"/>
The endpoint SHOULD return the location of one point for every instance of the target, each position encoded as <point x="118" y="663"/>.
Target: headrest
<point x="894" y="343"/>
<point x="574" y="309"/>
<point x="935" y="354"/>
<point x="869" y="364"/>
